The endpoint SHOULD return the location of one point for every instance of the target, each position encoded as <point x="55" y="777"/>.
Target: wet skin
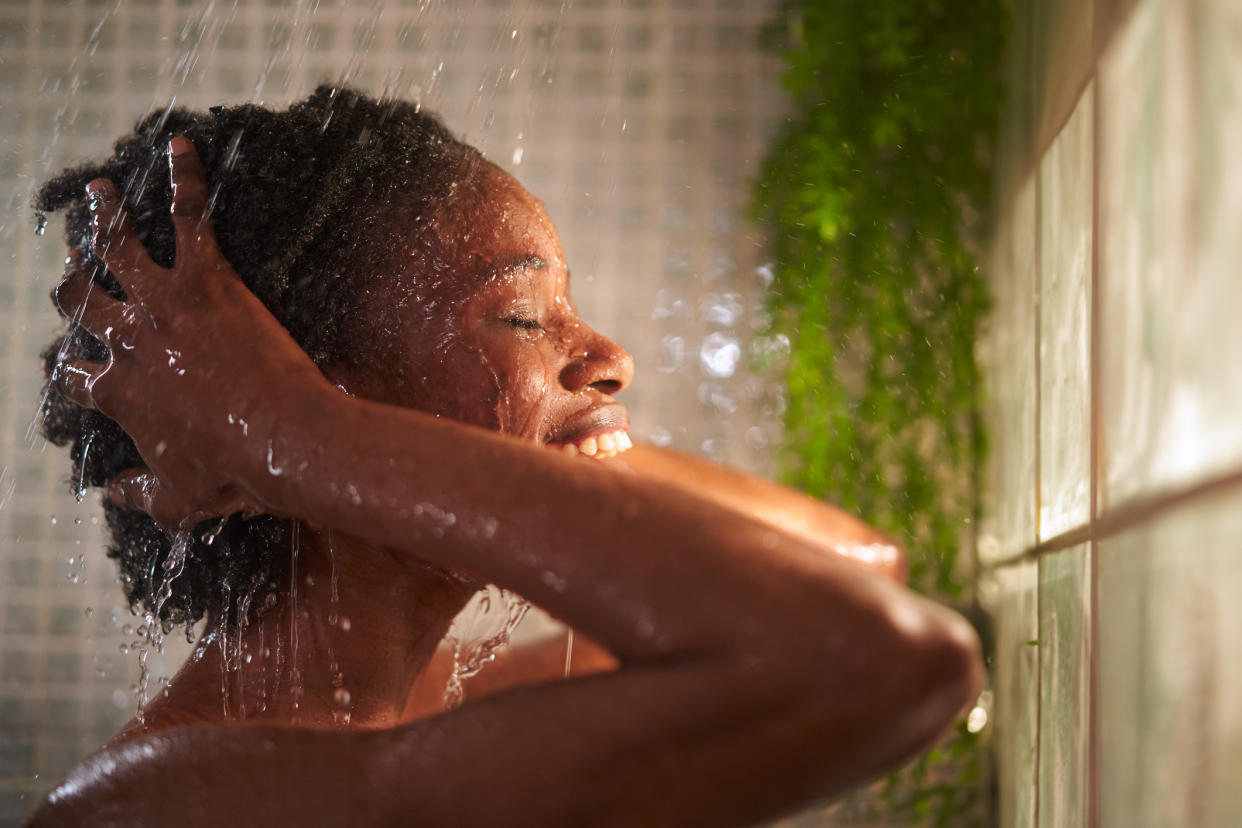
<point x="482" y="326"/>
<point x="751" y="665"/>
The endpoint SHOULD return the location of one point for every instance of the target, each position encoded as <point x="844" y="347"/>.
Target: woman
<point x="443" y="429"/>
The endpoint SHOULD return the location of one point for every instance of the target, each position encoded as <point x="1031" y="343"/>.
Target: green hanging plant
<point x="873" y="196"/>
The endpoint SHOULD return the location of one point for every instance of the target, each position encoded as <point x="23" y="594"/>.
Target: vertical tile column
<point x="1137" y="452"/>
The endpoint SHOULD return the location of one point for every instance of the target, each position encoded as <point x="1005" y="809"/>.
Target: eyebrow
<point x="528" y="263"/>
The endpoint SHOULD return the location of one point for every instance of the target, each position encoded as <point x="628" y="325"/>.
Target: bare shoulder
<point x="211" y="775"/>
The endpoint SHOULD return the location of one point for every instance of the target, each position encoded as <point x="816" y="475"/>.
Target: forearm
<point x="713" y="742"/>
<point x="782" y="508"/>
<point x="616" y="553"/>
<point x="639" y="565"/>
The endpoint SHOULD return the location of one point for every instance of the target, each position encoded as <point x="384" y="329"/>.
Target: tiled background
<point x="639" y="123"/>
<point x="1113" y="550"/>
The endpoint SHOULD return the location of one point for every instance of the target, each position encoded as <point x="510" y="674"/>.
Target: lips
<point x="599" y="432"/>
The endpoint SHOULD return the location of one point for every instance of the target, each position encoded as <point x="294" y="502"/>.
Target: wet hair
<point x="292" y="193"/>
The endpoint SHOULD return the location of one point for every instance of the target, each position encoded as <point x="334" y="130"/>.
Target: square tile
<point x="1171" y="115"/>
<point x="1066" y="244"/>
<point x="1009" y="357"/>
<point x="1170" y="669"/>
<point x="1064" y="686"/>
<point x="1012" y="598"/>
<point x="1207" y="339"/>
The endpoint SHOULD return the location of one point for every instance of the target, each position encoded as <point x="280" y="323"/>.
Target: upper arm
<point x="778" y="506"/>
<point x="721" y="738"/>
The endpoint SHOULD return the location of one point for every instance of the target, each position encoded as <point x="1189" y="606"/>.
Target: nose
<point x="598" y="363"/>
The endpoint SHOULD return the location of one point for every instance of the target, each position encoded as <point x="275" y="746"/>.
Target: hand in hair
<point x="182" y="350"/>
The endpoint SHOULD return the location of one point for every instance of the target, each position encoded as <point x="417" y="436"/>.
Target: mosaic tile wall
<point x="1114" y="539"/>
<point x="639" y="123"/>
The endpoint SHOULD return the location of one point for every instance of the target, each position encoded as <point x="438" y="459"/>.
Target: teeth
<point x="600" y="446"/>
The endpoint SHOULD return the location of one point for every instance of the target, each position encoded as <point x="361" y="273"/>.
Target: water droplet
<point x="209" y="537"/>
<point x="555" y="581"/>
<point x="273" y="469"/>
<point x="672" y="353"/>
<point x="719" y="355"/>
<point x="341" y="697"/>
<point x="977" y="720"/>
<point x="765" y="275"/>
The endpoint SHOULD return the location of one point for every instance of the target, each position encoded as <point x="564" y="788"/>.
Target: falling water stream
<point x="478" y="631"/>
<point x="152" y="628"/>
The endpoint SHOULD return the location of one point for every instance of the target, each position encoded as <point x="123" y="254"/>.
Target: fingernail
<point x="115" y="495"/>
<point x="179" y="146"/>
<point x="97" y="195"/>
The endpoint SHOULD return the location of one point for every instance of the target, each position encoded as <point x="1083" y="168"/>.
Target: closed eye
<point x="524" y="324"/>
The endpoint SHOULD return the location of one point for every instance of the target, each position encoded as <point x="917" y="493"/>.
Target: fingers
<point x="114" y="240"/>
<point x="73" y="380"/>
<point x="140" y="488"/>
<point x="84" y="302"/>
<point x="190" y="197"/>
<point x="136" y="488"/>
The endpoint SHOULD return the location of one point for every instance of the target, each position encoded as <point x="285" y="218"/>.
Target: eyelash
<point x="524" y="324"/>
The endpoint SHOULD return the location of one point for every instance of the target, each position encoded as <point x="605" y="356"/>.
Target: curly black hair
<point x="288" y="193"/>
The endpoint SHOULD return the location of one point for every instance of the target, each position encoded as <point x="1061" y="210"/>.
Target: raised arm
<point x="784" y="509"/>
<point x="756" y="672"/>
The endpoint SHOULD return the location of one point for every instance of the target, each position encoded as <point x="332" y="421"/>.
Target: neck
<point x="352" y="628"/>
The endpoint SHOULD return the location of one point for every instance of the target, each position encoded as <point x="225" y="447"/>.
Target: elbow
<point x="890" y="692"/>
<point x="946" y="663"/>
<point x="923" y="672"/>
<point x="959" y="665"/>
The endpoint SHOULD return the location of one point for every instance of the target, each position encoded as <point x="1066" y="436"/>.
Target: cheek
<point x="499" y="383"/>
<point x="526" y="391"/>
<point x="463" y="385"/>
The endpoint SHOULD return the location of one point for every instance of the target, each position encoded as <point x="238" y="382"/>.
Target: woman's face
<point x="473" y="321"/>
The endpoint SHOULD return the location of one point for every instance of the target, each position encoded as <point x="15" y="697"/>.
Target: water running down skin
<point x="750" y="667"/>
